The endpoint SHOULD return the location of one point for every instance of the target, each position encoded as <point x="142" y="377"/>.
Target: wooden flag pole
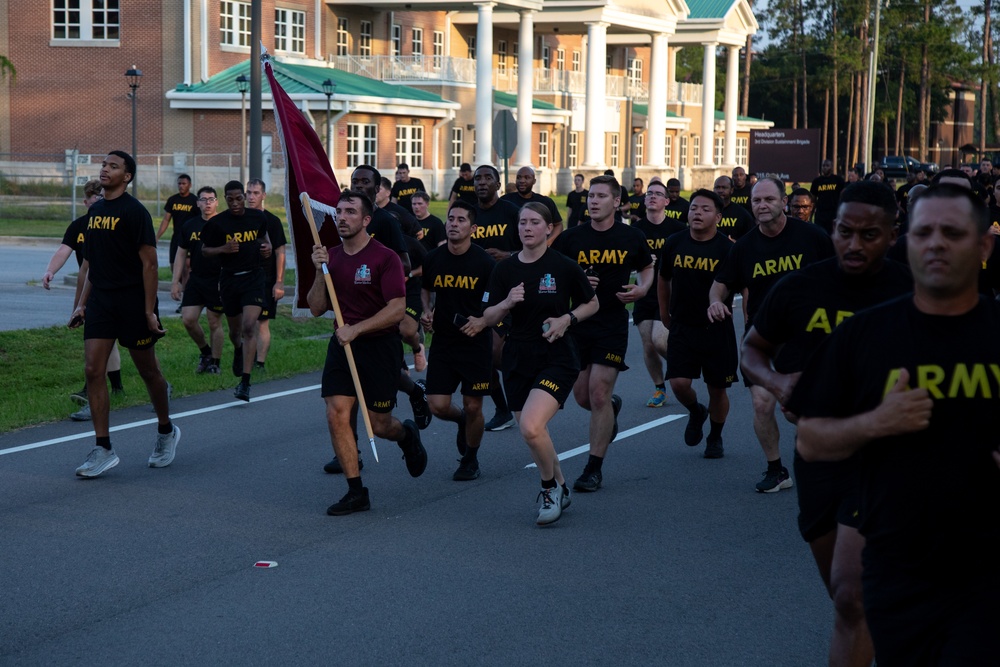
<point x="363" y="407"/>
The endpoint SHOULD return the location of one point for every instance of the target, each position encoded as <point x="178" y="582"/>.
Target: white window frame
<point x="234" y="24"/>
<point x="471" y="41"/>
<point x="365" y="40"/>
<point x="546" y="56"/>
<point x="289" y="30"/>
<point x="576" y="60"/>
<point x="502" y="57"/>
<point x="513" y="59"/>
<point x="94" y="26"/>
<point x="343" y="39"/>
<point x="543" y="149"/>
<point x="438" y="39"/>
<point x="396" y="40"/>
<point x="573" y="149"/>
<point x="668" y="150"/>
<point x="457" y="139"/>
<point x="640" y="148"/>
<point x="417" y="41"/>
<point x="720" y="149"/>
<point x="615" y="153"/>
<point x="410" y="145"/>
<point x="609" y="61"/>
<point x="742" y="150"/>
<point x="362" y="144"/>
<point x="696" y="148"/>
<point x="635" y="71"/>
<point x="684" y="152"/>
<point x="560" y="59"/>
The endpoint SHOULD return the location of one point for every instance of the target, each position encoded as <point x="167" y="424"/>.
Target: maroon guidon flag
<point x="307" y="171"/>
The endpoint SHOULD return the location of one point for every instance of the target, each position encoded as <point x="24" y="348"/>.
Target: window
<point x="456" y="147"/>
<point x="438" y="49"/>
<point x="546" y="57"/>
<point x="289" y="31"/>
<point x="362" y="144"/>
<point x="342" y="41"/>
<point x="86" y="19"/>
<point x="609" y="61"/>
<point x="635" y="71"/>
<point x="640" y="148"/>
<point x="668" y="150"/>
<point x="742" y="150"/>
<point x="572" y="148"/>
<point x="502" y="57"/>
<point x="543" y="148"/>
<point x="576" y="61"/>
<point x="513" y="58"/>
<point x="397" y="40"/>
<point x="418" y="41"/>
<point x="472" y="47"/>
<point x="234" y="21"/>
<point x="684" y="152"/>
<point x="696" y="148"/>
<point x="720" y="148"/>
<point x="365" y="40"/>
<point x="560" y="58"/>
<point x="614" y="150"/>
<point x="410" y="145"/>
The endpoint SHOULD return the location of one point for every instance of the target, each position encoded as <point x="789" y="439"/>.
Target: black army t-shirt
<point x="434" y="233"/>
<point x="613" y="254"/>
<point x="804" y="307"/>
<point x="249" y="229"/>
<point x="576" y="202"/>
<point x="826" y="193"/>
<point x="460" y="283"/>
<point x="465" y="189"/>
<point x="691" y="267"/>
<point x="656" y="236"/>
<point x="519" y="201"/>
<point x="735" y="221"/>
<point x="116" y="229"/>
<point x="757" y="262"/>
<point x="181" y="209"/>
<point x="385" y="228"/>
<point x="637" y="205"/>
<point x="678" y="210"/>
<point x="741" y="197"/>
<point x="190" y="240"/>
<point x="402" y="192"/>
<point x="74" y="237"/>
<point x="276" y="235"/>
<point x="496" y="227"/>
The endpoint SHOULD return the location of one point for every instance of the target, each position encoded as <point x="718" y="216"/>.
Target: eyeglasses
<point x="208" y="200"/>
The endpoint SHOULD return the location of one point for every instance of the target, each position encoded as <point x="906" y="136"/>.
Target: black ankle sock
<point x="774" y="466"/>
<point x="662" y="387"/>
<point x="165" y="429"/>
<point x="245" y="378"/>
<point x="258" y="364"/>
<point x="354" y="484"/>
<point x="496" y="393"/>
<point x="215" y="361"/>
<point x="594" y="463"/>
<point x="206" y="351"/>
<point x="549" y="483"/>
<point x="115" y="377"/>
<point x="104" y="442"/>
<point x="716" y="429"/>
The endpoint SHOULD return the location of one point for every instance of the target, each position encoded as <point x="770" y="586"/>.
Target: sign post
<point x="505" y="139"/>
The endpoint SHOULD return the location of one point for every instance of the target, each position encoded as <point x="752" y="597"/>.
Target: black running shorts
<point x="603" y="349"/>
<point x="710" y="350"/>
<point x="378" y="360"/>
<point x="453" y="364"/>
<point x="120" y="314"/>
<point x="828" y="495"/>
<point x="526" y="367"/>
<point x="240" y="291"/>
<point x="414" y="306"/>
<point x="270" y="308"/>
<point x="202" y="292"/>
<point x="645" y="310"/>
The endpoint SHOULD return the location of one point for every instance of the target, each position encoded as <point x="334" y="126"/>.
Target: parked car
<point x="898" y="166"/>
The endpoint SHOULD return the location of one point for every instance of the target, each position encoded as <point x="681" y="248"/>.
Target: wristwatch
<point x="572" y="318"/>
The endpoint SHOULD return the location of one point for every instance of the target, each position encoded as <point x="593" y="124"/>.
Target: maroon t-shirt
<point x="366" y="282"/>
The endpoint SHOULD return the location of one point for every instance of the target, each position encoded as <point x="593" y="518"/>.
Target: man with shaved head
<point x="525" y="184"/>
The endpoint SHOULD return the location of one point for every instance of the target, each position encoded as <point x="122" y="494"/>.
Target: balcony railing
<point x="448" y="69"/>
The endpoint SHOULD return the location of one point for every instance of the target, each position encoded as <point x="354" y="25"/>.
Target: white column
<point x="525" y="79"/>
<point x="658" y="102"/>
<point x="708" y="107"/>
<point x="484" y="85"/>
<point x="732" y="97"/>
<point x="672" y="52"/>
<point x="597" y="48"/>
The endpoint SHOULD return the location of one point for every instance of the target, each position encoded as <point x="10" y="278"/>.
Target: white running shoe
<point x="97" y="462"/>
<point x="165" y="449"/>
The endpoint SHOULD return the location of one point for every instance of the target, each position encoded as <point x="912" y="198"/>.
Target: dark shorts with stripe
<point x="200" y="291"/>
<point x="414" y="306"/>
<point x="240" y="291"/>
<point x="469" y="364"/>
<point x="527" y="366"/>
<point x="603" y="349"/>
<point x="120" y="314"/>
<point x="710" y="349"/>
<point x="378" y="360"/>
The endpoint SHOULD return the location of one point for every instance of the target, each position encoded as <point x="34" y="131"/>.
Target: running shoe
<point x="695" y="429"/>
<point x="165" y="448"/>
<point x="589" y="481"/>
<point x="242" y="391"/>
<point x="714" y="448"/>
<point x="774" y="481"/>
<point x="467" y="471"/>
<point x="657" y="400"/>
<point x="420" y="359"/>
<point x="82" y="415"/>
<point x="98" y="461"/>
<point x="353" y="501"/>
<point x="500" y="421"/>
<point x="413" y="451"/>
<point x="203" y="363"/>
<point x="213" y="369"/>
<point x="421" y="408"/>
<point x="79" y="397"/>
<point x="552" y="505"/>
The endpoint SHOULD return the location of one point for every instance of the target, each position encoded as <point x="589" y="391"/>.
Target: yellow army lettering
<point x="611" y="356"/>
<point x="195" y="236"/>
<point x="727" y="222"/>
<point x="781" y="265"/>
<point x="183" y="207"/>
<point x="740" y="200"/>
<point x="697" y="263"/>
<point x="549" y="384"/>
<point x="382" y="404"/>
<point x="79" y="238"/>
<point x="103" y="222"/>
<point x="673" y="215"/>
<point x="601" y="257"/>
<point x="403" y="192"/>
<point x="144" y="341"/>
<point x="242" y="237"/>
<point x="821" y="320"/>
<point x="490" y="231"/>
<point x="829" y="187"/>
<point x="458" y="282"/>
<point x="656" y="244"/>
<point x="965" y="381"/>
<point x="481" y="386"/>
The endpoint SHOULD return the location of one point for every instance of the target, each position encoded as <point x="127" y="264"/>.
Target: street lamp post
<point x="329" y="88"/>
<point x="134" y="75"/>
<point x="243" y="85"/>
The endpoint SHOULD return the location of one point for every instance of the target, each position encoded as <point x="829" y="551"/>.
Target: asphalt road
<point x="676" y="561"/>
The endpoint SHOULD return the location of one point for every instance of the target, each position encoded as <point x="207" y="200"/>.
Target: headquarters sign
<point x="790" y="155"/>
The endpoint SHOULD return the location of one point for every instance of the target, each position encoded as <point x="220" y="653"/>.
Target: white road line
<point x="635" y="430"/>
<point x="147" y="422"/>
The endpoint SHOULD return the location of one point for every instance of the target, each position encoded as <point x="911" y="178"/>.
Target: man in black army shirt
<point x="742" y="189"/>
<point x="735" y="221"/>
<point x="180" y="208"/>
<point x="576" y="203"/>
<point x="118" y="301"/>
<point x="235" y="236"/>
<point x="404" y="187"/>
<point x="677" y="207"/>
<point x="525" y="184"/>
<point x="274" y="270"/>
<point x="825" y="190"/>
<point x="777" y="245"/>
<point x="464" y="188"/>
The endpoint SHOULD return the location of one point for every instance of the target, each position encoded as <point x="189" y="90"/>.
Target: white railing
<point x="408" y="68"/>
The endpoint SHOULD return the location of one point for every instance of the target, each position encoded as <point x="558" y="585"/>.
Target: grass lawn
<point x="49" y="366"/>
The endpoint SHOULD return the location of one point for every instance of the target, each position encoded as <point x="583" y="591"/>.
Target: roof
<point x="709" y="9"/>
<point x="510" y="100"/>
<point x="720" y="115"/>
<point x="643" y="109"/>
